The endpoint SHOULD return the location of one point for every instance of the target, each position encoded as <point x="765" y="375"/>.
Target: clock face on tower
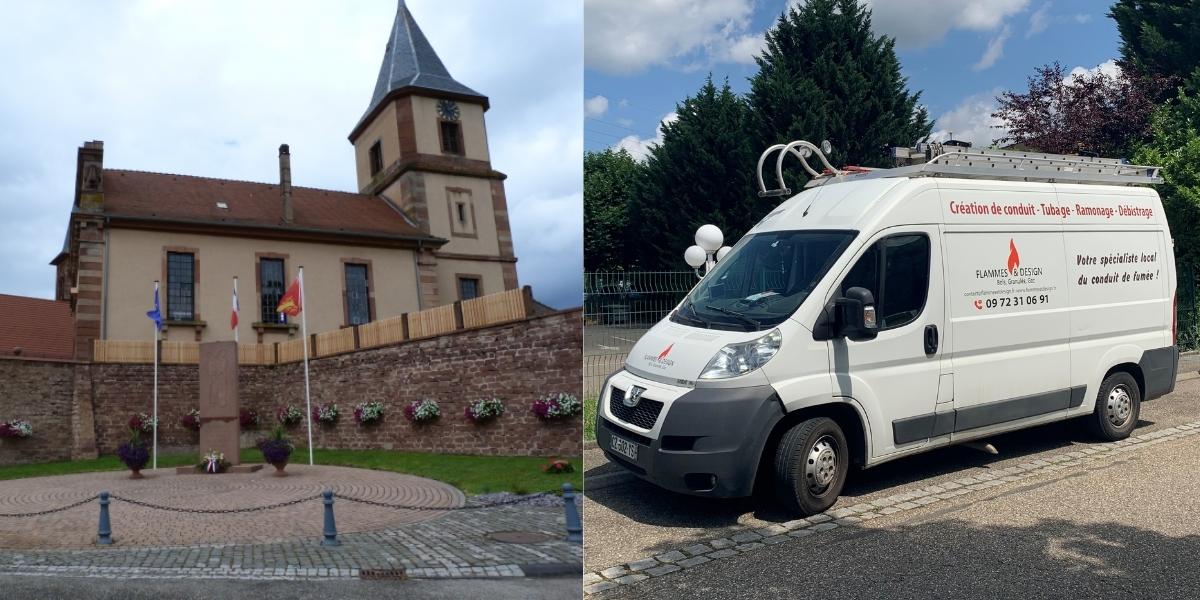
<point x="448" y="110"/>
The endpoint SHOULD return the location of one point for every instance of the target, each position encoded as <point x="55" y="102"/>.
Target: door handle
<point x="931" y="340"/>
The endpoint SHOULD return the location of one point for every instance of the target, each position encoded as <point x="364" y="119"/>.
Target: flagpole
<point x="155" y="463"/>
<point x="304" y="335"/>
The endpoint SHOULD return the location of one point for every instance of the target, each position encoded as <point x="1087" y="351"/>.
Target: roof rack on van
<point x="944" y="160"/>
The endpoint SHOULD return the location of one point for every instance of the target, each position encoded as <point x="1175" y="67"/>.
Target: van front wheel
<point x="810" y="466"/>
<point x="1117" y="407"/>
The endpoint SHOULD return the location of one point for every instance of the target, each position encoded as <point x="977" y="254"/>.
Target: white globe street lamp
<point x="707" y="251"/>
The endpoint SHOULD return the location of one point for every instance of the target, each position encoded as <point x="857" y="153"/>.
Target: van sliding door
<point x="1009" y="314"/>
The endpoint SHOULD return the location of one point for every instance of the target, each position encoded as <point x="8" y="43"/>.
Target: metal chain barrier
<point x="49" y="511"/>
<point x="214" y="511"/>
<point x="519" y="500"/>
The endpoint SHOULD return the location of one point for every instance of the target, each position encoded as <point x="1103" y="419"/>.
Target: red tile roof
<point x="194" y="199"/>
<point x="41" y="328"/>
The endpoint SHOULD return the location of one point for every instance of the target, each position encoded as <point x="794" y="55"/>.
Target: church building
<point x="428" y="225"/>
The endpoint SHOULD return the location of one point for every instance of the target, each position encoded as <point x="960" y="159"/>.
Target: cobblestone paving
<point x="748" y="540"/>
<point x="450" y="544"/>
<point x="139" y="526"/>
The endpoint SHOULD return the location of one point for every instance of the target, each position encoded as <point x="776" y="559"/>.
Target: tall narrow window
<point x="462" y="212"/>
<point x="181" y="286"/>
<point x="468" y="287"/>
<point x="270" y="274"/>
<point x="451" y="137"/>
<point x="358" y="297"/>
<point x="376" y="156"/>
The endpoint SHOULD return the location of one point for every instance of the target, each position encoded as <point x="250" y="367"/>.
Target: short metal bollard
<point x="330" y="525"/>
<point x="574" y="525"/>
<point x="104" y="532"/>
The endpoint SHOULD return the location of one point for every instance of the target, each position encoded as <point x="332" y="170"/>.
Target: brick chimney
<point x="285" y="182"/>
<point x="89" y="177"/>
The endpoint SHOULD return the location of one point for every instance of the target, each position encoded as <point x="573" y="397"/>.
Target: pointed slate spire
<point x="409" y="62"/>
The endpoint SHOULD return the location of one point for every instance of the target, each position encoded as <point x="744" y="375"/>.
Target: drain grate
<point x="383" y="574"/>
<point x="519" y="537"/>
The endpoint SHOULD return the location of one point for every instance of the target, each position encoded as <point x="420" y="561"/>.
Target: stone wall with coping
<point x="515" y="362"/>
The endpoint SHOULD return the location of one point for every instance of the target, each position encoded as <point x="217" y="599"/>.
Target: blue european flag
<point x="156" y="314"/>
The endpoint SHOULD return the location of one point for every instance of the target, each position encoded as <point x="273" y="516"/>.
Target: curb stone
<point x="753" y="539"/>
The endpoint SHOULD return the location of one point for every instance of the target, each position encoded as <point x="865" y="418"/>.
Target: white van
<point x="884" y="313"/>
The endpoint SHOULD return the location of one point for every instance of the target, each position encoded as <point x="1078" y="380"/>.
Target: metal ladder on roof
<point x="963" y="162"/>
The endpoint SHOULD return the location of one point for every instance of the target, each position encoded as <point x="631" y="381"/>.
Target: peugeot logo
<point x="633" y="397"/>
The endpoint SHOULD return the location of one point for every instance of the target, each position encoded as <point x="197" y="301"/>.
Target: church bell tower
<point x="422" y="145"/>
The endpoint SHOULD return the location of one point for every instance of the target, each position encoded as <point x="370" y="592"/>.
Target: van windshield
<point x="763" y="280"/>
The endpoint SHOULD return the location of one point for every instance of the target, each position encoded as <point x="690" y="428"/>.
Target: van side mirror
<point x="855" y="315"/>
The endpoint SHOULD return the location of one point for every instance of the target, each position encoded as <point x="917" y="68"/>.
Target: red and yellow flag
<point x="289" y="304"/>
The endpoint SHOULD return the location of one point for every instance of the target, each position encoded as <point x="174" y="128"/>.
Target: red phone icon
<point x="979" y="304"/>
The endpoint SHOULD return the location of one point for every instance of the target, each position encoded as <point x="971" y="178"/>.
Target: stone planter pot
<point x="279" y="466"/>
<point x="136" y="474"/>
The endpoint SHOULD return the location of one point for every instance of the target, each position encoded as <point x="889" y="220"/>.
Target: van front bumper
<point x="709" y="441"/>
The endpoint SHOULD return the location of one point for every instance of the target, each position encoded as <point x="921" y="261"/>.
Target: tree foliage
<point x="1088" y="113"/>
<point x="1175" y="146"/>
<point x="608" y="185"/>
<point x="1158" y="39"/>
<point x="702" y="172"/>
<point x="825" y="76"/>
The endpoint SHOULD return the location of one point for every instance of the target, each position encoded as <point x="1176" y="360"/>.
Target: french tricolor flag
<point x="233" y="315"/>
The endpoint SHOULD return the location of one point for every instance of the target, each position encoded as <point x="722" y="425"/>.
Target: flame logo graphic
<point x="666" y="352"/>
<point x="1014" y="259"/>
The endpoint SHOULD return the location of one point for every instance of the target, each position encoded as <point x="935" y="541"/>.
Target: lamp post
<point x="707" y="251"/>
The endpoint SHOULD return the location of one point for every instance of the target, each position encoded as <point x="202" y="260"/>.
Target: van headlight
<point x="739" y="359"/>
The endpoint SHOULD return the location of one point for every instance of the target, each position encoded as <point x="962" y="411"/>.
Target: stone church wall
<point x="516" y="363"/>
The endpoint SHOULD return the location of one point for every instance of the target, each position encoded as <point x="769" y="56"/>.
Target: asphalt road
<point x="1128" y="529"/>
<point x="47" y="588"/>
<point x="629" y="519"/>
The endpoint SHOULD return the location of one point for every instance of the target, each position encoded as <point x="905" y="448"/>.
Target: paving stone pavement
<point x="136" y="525"/>
<point x="695" y="555"/>
<point x="450" y="544"/>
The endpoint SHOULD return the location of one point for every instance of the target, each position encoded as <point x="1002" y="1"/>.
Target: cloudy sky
<point x="643" y="56"/>
<point x="212" y="88"/>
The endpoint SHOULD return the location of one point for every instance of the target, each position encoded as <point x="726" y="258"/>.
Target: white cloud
<point x="213" y="88"/>
<point x="744" y="49"/>
<point x="993" y="52"/>
<point x="917" y="24"/>
<point x="1039" y="21"/>
<point x="595" y="106"/>
<point x="639" y="147"/>
<point x="971" y="120"/>
<point x="1108" y="67"/>
<point x="629" y="36"/>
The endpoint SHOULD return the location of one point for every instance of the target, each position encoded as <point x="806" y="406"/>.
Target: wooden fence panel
<point x="381" y="333"/>
<point x="122" y="351"/>
<point x="333" y="342"/>
<point x="180" y="353"/>
<point x="291" y="351"/>
<point x="431" y="322"/>
<point x="494" y="308"/>
<point x="256" y="354"/>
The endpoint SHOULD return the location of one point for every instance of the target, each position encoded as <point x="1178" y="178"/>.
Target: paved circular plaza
<point x="134" y="525"/>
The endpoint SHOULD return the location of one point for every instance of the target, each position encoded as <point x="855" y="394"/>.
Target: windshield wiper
<point x="696" y="316"/>
<point x="734" y="313"/>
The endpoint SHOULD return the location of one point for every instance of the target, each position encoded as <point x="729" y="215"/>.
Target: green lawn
<point x="589" y="419"/>
<point x="471" y="474"/>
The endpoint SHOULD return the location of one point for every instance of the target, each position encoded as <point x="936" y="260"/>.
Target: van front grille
<point x="644" y="415"/>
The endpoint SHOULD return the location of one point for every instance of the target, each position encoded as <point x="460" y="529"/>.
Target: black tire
<point x="797" y="487"/>
<point x="1118" y="405"/>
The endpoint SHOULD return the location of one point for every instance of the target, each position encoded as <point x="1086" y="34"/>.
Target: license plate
<point x="625" y="448"/>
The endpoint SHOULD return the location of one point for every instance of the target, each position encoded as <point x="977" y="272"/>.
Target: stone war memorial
<point x="220" y="409"/>
<point x="383" y="330"/>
